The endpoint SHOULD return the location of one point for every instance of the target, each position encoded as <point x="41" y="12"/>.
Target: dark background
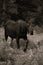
<point x="21" y="9"/>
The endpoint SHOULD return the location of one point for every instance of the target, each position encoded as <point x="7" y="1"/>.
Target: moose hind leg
<point x="18" y="46"/>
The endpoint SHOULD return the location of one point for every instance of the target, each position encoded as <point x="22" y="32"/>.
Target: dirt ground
<point x="14" y="56"/>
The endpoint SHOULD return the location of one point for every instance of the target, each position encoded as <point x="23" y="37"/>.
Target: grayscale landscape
<point x="30" y="14"/>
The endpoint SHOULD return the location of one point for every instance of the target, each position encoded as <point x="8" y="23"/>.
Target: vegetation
<point x="25" y="9"/>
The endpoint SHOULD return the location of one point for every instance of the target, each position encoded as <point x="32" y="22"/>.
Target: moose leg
<point x="26" y="45"/>
<point x="6" y="36"/>
<point x="18" y="46"/>
<point x="11" y="42"/>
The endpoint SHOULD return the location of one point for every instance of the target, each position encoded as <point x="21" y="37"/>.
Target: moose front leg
<point x="26" y="45"/>
<point x="11" y="42"/>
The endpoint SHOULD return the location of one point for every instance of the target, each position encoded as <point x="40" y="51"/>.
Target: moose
<point x="17" y="30"/>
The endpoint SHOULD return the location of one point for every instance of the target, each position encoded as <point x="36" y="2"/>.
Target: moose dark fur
<point x="16" y="30"/>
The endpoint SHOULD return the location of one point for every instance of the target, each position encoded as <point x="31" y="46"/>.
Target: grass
<point x="14" y="56"/>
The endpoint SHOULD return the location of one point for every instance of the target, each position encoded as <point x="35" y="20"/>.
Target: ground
<point x="14" y="56"/>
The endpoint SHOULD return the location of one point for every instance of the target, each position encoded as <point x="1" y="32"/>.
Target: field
<point x="14" y="56"/>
